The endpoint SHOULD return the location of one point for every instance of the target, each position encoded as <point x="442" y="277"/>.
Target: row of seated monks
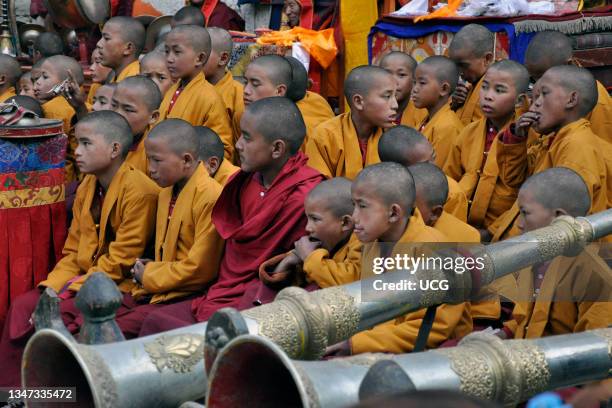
<point x="196" y="192"/>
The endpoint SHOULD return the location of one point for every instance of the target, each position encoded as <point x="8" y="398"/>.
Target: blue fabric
<point x="45" y="153"/>
<point x="518" y="44"/>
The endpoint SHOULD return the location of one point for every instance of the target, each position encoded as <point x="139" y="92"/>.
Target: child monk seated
<point x="122" y="41"/>
<point x="153" y="66"/>
<point x="260" y="212"/>
<point x="384" y="196"/>
<point x="406" y="146"/>
<point x="211" y="153"/>
<point x="435" y="80"/>
<point x="344" y="145"/>
<point x="113" y="221"/>
<point x="567" y="294"/>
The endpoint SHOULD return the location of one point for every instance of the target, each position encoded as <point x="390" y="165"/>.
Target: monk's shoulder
<point x="207" y="190"/>
<point x="88" y="183"/>
<point x="429" y="234"/>
<point x="330" y="130"/>
<point x="137" y="184"/>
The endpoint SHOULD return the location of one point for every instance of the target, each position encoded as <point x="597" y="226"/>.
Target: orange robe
<point x="93" y="88"/>
<point x="413" y="116"/>
<point x="315" y="110"/>
<point x="8" y="93"/>
<point x="187" y="246"/>
<point x="575" y="295"/>
<point x="231" y="92"/>
<point x="470" y="111"/>
<point x="601" y="115"/>
<point x="341" y="268"/>
<point x="334" y="149"/>
<point x="442" y="130"/>
<point x="126" y="226"/>
<point x="225" y="171"/>
<point x="137" y="157"/>
<point x="131" y="69"/>
<point x="399" y="335"/>
<point x="456" y="230"/>
<point x="456" y="203"/>
<point x="574" y="146"/>
<point x="59" y="108"/>
<point x="200" y="104"/>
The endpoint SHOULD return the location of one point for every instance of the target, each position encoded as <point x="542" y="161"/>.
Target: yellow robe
<point x="576" y="295"/>
<point x="343" y="267"/>
<point x="127" y="216"/>
<point x="8" y="93"/>
<point x="442" y="131"/>
<point x="58" y="108"/>
<point x="334" y="150"/>
<point x="231" y="92"/>
<point x="399" y="335"/>
<point x="93" y="88"/>
<point x="456" y="203"/>
<point x="224" y="172"/>
<point x="187" y="246"/>
<point x="315" y="110"/>
<point x="470" y="111"/>
<point x="601" y="116"/>
<point x="413" y="116"/>
<point x="456" y="230"/>
<point x="574" y="146"/>
<point x="200" y="104"/>
<point x="132" y="69"/>
<point x="138" y="158"/>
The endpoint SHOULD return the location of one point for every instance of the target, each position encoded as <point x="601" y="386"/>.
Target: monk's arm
<point x="512" y="159"/>
<point x="452" y="166"/>
<point x="218" y="120"/>
<point x="318" y="154"/>
<point x="320" y="268"/>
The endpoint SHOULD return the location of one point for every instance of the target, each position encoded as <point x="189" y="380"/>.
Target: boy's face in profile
<point x="258" y="85"/>
<point x="402" y="74"/>
<point x="102" y="98"/>
<point x="427" y="90"/>
<point x="253" y="148"/>
<point x="497" y="95"/>
<point x="156" y="70"/>
<point x="550" y="103"/>
<point x="49" y="77"/>
<point x="181" y="59"/>
<point x="370" y="215"/>
<point x="165" y="166"/>
<point x="93" y="154"/>
<point x="111" y="46"/>
<point x="532" y="214"/>
<point x="129" y="103"/>
<point x="99" y="72"/>
<point x="379" y="104"/>
<point x="323" y="225"/>
<point x="471" y="67"/>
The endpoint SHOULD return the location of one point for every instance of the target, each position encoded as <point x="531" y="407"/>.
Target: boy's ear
<point x="573" y="100"/>
<point x="189" y="159"/>
<point x="489" y="58"/>
<point x="358" y="101"/>
<point x="116" y="150"/>
<point x="201" y="59"/>
<point x="281" y="90"/>
<point x="522" y="102"/>
<point x="212" y="165"/>
<point x="395" y="213"/>
<point x="154" y="117"/>
<point x="559" y="212"/>
<point x="347" y="223"/>
<point x="279" y="147"/>
<point x="129" y="49"/>
<point x="224" y="59"/>
<point x="2" y="79"/>
<point x="436" y="213"/>
<point x="445" y="88"/>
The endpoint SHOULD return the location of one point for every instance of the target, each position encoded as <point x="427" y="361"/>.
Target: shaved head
<point x="277" y="68"/>
<point x="179" y="135"/>
<point x="28" y="103"/>
<point x="545" y="50"/>
<point x="518" y="72"/>
<point x="444" y="70"/>
<point x="475" y="38"/>
<point x="336" y="194"/>
<point x="299" y="84"/>
<point x="221" y="40"/>
<point x="153" y="56"/>
<point x="189" y="15"/>
<point x="210" y="144"/>
<point x="62" y="65"/>
<point x="49" y="44"/>
<point x="560" y="187"/>
<point x="431" y="183"/>
<point x="146" y="88"/>
<point x="576" y="79"/>
<point x="406" y="59"/>
<point x="112" y="126"/>
<point x="404" y="145"/>
<point x="362" y="79"/>
<point x="288" y="124"/>
<point x="391" y="182"/>
<point x="10" y="69"/>
<point x="197" y="38"/>
<point x="131" y="31"/>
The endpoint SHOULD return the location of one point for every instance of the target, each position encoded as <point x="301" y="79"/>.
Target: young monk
<point x="188" y="15"/>
<point x="187" y="246"/>
<point x="25" y="86"/>
<point x="567" y="294"/>
<point x="10" y="71"/>
<point x="210" y="153"/>
<point x="103" y="97"/>
<point x="192" y="98"/>
<point x="47" y="44"/>
<point x="472" y="51"/>
<point x="406" y="146"/>
<point x="266" y="76"/>
<point x="99" y="75"/>
<point x="403" y="66"/>
<point x="122" y="42"/>
<point x="221" y="78"/>
<point x="384" y="197"/>
<point x="260" y="212"/>
<point x="551" y="48"/>
<point x="113" y="220"/>
<point x="330" y="254"/>
<point x="435" y="80"/>
<point x="344" y="145"/>
<point x="473" y="157"/>
<point x="561" y="100"/>
<point x="137" y="99"/>
<point x="153" y="66"/>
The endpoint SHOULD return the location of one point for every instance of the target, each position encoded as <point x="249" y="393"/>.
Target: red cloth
<point x="257" y="224"/>
<point x="218" y="14"/>
<point x="167" y="318"/>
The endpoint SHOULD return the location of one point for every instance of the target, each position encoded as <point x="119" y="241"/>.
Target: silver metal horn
<point x="482" y="365"/>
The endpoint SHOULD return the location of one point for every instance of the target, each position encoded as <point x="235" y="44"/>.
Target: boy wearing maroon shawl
<point x="260" y="212"/>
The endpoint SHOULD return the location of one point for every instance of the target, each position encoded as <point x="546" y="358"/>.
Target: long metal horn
<point x="482" y="365"/>
<point x="303" y="324"/>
